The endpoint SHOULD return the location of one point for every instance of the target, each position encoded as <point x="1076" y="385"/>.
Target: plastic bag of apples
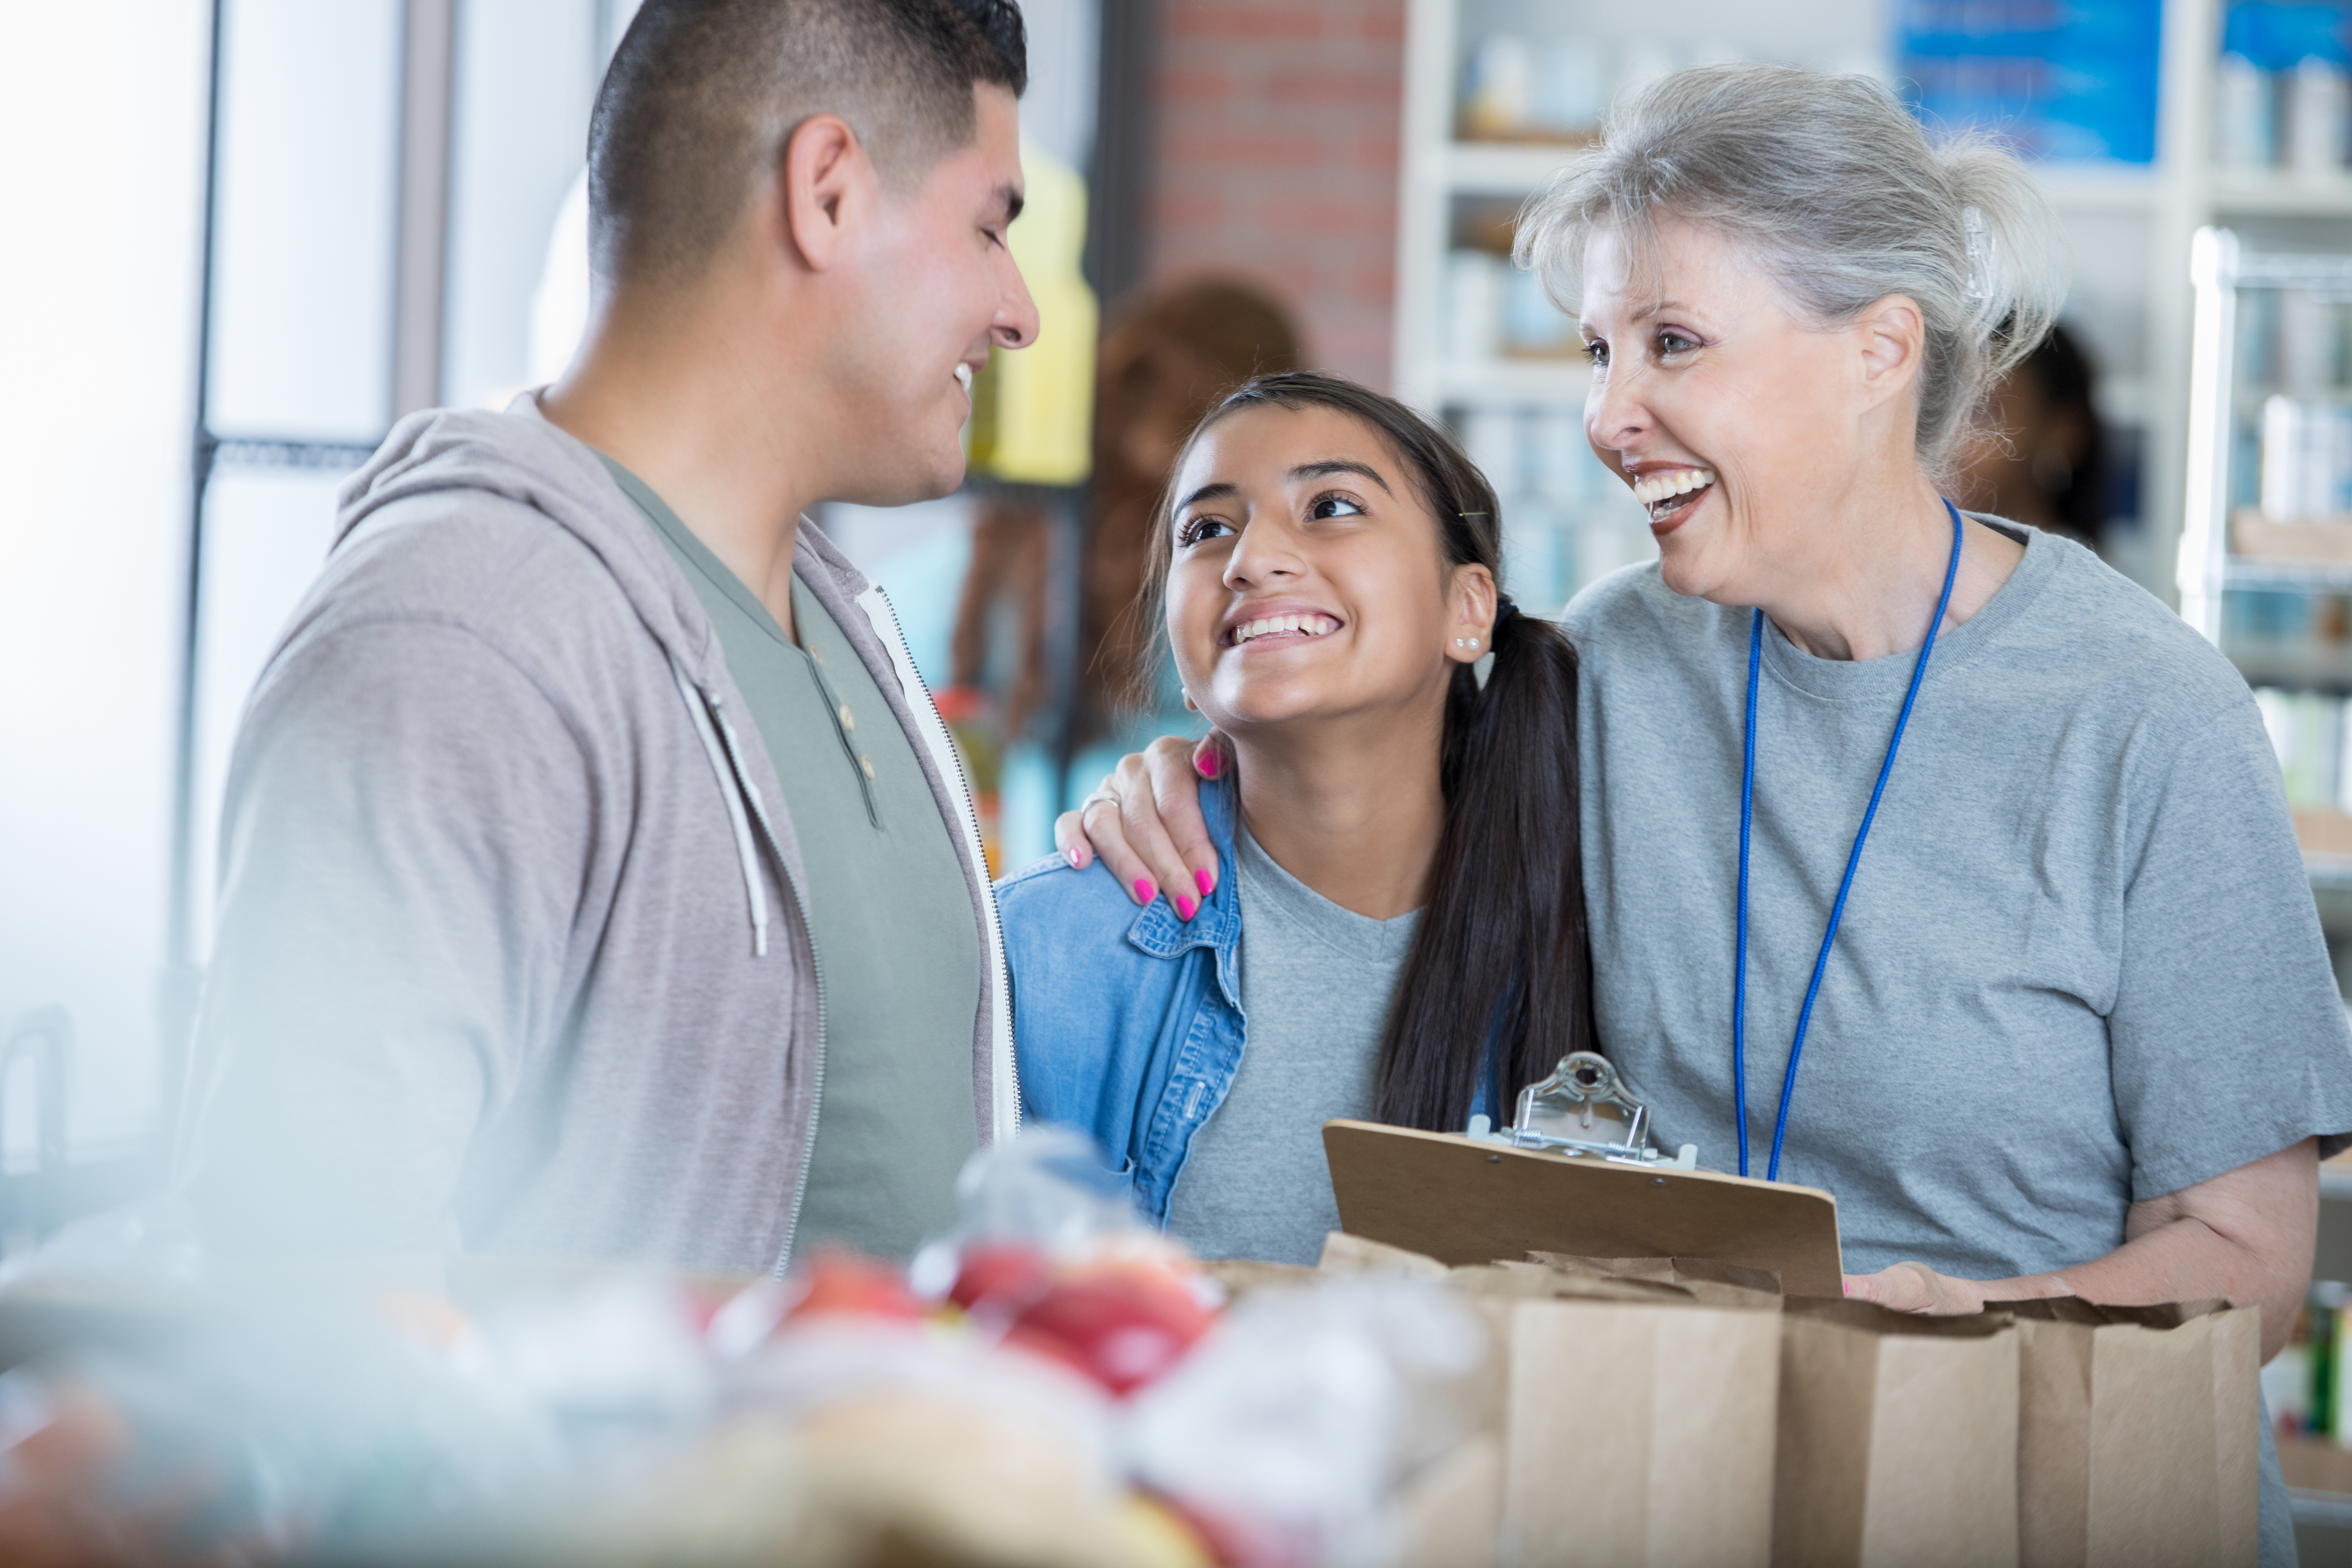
<point x="1053" y="1382"/>
<point x="1274" y="1429"/>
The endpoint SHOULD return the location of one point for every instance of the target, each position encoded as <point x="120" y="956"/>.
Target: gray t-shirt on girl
<point x="1317" y="981"/>
<point x="2079" y="967"/>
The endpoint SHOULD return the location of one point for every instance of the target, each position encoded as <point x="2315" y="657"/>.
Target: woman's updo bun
<point x="1832" y="185"/>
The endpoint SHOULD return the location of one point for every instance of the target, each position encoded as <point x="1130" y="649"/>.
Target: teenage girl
<point x="1395" y="930"/>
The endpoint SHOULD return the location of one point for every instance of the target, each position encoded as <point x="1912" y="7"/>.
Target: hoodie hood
<point x="518" y="456"/>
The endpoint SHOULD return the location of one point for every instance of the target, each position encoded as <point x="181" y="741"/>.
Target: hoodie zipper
<point x="816" y="966"/>
<point x="987" y="886"/>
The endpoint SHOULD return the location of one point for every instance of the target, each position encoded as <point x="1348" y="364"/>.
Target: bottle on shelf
<point x="1475" y="282"/>
<point x="2323" y="1308"/>
<point x="2318" y="94"/>
<point x="2307" y="460"/>
<point x="2286" y="1382"/>
<point x="2245" y="115"/>
<point x="2284" y="87"/>
<point x="1558" y="89"/>
<point x="1566" y="523"/>
<point x="2308" y="731"/>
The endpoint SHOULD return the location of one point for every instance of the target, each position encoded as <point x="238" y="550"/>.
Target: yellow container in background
<point x="1032" y="410"/>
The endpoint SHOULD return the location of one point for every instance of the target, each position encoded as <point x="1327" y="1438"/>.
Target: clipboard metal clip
<point x="1583" y="1109"/>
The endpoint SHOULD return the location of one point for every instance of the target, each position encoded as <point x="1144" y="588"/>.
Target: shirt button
<point x="867" y="764"/>
<point x="847" y="722"/>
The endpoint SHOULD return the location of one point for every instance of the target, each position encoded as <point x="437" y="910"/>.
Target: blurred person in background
<point x="2038" y="457"/>
<point x="1386" y="936"/>
<point x="597" y="880"/>
<point x="1168" y="355"/>
<point x="2070" y="1028"/>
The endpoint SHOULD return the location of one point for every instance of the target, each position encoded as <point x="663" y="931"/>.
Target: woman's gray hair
<point x="1836" y="191"/>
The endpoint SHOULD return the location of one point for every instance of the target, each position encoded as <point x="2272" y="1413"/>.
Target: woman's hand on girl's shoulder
<point x="1150" y="833"/>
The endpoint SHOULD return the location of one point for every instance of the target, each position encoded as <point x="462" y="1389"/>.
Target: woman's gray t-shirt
<point x="1317" y="981"/>
<point x="2080" y="964"/>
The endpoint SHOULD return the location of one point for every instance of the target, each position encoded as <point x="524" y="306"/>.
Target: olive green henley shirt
<point x="898" y="955"/>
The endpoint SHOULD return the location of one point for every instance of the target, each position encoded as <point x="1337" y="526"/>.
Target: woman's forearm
<point x="2183" y="1260"/>
<point x="2247" y="1233"/>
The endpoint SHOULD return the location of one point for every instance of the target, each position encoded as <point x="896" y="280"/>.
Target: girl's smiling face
<point x="1307" y="579"/>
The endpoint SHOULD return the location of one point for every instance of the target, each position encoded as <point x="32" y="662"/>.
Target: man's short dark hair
<point x="702" y="95"/>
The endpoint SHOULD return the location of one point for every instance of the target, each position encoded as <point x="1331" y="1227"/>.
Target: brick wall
<point x="1275" y="157"/>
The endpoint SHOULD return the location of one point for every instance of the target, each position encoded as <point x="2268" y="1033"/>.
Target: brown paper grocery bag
<point x="1639" y="1435"/>
<point x="1445" y="1516"/>
<point x="1897" y="1440"/>
<point x="2139" y="1434"/>
<point x="1345" y="1254"/>
<point x="1714" y="1283"/>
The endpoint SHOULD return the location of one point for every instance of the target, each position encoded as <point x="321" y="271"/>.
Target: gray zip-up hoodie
<point x="510" y="954"/>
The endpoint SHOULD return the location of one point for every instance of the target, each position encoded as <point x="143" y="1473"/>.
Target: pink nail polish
<point x="1185" y="906"/>
<point x="1206" y="883"/>
<point x="1209" y="764"/>
<point x="1078" y="861"/>
<point x="1144" y="891"/>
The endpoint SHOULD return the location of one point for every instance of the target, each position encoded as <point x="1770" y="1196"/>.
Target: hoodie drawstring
<point x="732" y="789"/>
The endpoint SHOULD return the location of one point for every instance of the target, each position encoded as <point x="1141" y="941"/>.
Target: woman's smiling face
<point x="1308" y="580"/>
<point x="1730" y="417"/>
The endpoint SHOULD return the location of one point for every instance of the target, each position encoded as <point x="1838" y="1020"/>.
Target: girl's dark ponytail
<point x="1500" y="976"/>
<point x="1498" y="984"/>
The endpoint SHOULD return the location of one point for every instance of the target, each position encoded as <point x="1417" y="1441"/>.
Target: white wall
<point x="527" y="73"/>
<point x="101" y="112"/>
<point x="302" y="324"/>
<point x="1057" y="112"/>
<point x="308" y="215"/>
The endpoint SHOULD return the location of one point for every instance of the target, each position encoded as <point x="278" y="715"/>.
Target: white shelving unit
<point x="2291" y="558"/>
<point x="2130" y="226"/>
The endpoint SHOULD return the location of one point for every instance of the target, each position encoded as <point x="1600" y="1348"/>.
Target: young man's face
<point x="936" y="290"/>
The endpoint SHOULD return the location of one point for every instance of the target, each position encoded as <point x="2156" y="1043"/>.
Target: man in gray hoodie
<point x="598" y="879"/>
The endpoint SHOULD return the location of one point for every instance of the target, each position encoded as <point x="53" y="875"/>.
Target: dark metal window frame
<point x="427" y="80"/>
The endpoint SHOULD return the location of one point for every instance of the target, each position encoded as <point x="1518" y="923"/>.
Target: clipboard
<point x="1464" y="1200"/>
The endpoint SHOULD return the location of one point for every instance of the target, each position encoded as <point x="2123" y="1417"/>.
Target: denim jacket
<point x="1127" y="1023"/>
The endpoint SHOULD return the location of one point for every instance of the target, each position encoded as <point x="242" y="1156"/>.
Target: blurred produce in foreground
<point x="1053" y="1384"/>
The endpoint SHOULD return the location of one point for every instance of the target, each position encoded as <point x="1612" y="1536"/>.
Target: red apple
<point x="838" y="1281"/>
<point x="1007" y="1276"/>
<point x="1123" y="1326"/>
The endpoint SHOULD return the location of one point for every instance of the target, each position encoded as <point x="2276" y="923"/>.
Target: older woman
<point x="1929" y="860"/>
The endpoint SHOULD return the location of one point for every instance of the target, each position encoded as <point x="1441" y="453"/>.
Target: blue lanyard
<point x="1837" y="909"/>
